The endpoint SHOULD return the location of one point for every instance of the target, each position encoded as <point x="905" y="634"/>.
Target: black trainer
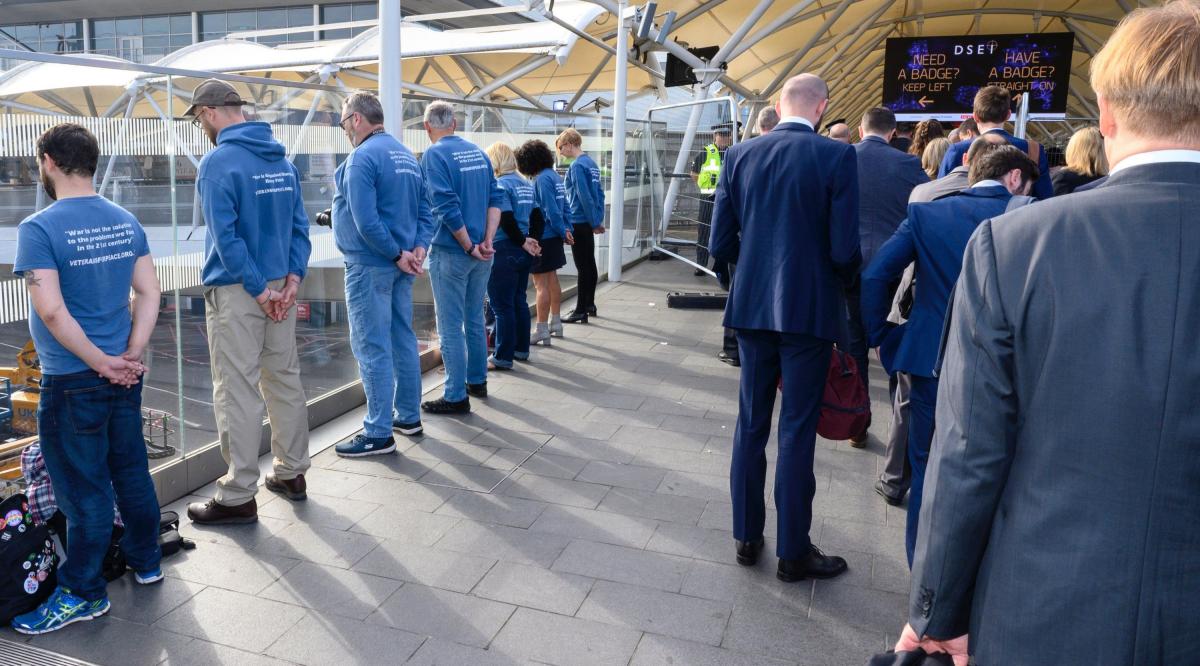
<point x="414" y="428"/>
<point x="444" y="406"/>
<point x="477" y="390"/>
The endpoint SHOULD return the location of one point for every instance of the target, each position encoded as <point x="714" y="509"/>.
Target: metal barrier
<point x="686" y="214"/>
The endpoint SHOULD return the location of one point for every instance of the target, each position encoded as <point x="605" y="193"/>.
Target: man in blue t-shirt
<point x="382" y="225"/>
<point x="256" y="254"/>
<point x="80" y="257"/>
<point x="467" y="203"/>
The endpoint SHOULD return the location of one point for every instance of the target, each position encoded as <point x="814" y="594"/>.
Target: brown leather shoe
<point x="215" y="513"/>
<point x="859" y="441"/>
<point x="293" y="489"/>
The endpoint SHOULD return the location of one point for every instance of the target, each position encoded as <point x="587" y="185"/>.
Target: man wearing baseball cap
<point x="256" y="253"/>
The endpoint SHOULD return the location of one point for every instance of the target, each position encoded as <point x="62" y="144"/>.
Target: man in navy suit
<point x="991" y="110"/>
<point x="795" y="249"/>
<point x="934" y="236"/>
<point x="886" y="177"/>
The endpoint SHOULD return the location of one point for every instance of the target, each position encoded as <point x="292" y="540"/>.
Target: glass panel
<point x="272" y="18"/>
<point x="129" y="27"/>
<point x="244" y="20"/>
<point x="104" y="28"/>
<point x="298" y="16"/>
<point x="156" y="42"/>
<point x="213" y="22"/>
<point x="179" y="41"/>
<point x="181" y="23"/>
<point x="104" y="46"/>
<point x="365" y="10"/>
<point x="155" y="25"/>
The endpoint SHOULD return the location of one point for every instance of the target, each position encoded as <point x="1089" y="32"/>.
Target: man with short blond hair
<point x="1059" y="521"/>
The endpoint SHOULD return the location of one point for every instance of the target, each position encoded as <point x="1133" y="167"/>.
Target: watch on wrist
<point x="471" y="250"/>
<point x="396" y="259"/>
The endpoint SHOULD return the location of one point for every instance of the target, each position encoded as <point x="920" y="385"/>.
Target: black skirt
<point x="552" y="257"/>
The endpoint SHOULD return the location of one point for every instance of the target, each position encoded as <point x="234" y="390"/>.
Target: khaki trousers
<point x="253" y="358"/>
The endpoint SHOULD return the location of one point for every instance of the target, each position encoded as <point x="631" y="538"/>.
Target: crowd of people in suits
<point x="1035" y="326"/>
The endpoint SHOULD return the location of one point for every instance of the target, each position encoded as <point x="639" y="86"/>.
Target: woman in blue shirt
<point x="516" y="248"/>
<point x="536" y="162"/>
<point x="585" y="217"/>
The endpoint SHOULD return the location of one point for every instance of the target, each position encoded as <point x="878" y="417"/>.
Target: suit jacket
<point x="934" y="236"/>
<point x="951" y="183"/>
<point x="786" y="212"/>
<point x="886" y="177"/>
<point x="1042" y="189"/>
<point x="1060" y="520"/>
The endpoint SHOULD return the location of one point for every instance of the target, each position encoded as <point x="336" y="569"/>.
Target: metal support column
<point x="390" y="84"/>
<point x="616" y="223"/>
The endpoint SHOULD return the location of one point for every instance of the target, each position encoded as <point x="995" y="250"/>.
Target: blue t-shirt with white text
<point x="93" y="244"/>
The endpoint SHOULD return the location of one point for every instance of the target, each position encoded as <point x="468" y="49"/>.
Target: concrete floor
<point x="580" y="515"/>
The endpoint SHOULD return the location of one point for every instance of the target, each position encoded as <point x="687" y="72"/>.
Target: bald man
<point x="840" y="132"/>
<point x="795" y="249"/>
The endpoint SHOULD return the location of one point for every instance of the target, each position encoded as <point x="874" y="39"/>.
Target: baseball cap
<point x="214" y="92"/>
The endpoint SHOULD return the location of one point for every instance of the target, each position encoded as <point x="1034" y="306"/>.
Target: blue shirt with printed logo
<point x="462" y="187"/>
<point x="520" y="200"/>
<point x="585" y="193"/>
<point x="93" y="244"/>
<point x="551" y="197"/>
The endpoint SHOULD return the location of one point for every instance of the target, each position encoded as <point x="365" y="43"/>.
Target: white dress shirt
<point x="1157" y="157"/>
<point x="797" y="119"/>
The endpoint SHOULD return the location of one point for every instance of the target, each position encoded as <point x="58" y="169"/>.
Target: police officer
<point x="706" y="168"/>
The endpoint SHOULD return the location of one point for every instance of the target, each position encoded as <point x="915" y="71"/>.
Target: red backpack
<point x="846" y="406"/>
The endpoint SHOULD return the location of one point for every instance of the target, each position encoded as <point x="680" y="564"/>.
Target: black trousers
<point x="704" y="228"/>
<point x="730" y="345"/>
<point x="584" y="254"/>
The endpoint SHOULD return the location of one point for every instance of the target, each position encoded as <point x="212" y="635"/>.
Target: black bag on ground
<point x="28" y="562"/>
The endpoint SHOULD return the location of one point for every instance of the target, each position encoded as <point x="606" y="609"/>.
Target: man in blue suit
<point x="935" y="236"/>
<point x="795" y="249"/>
<point x="991" y="110"/>
<point x="886" y="177"/>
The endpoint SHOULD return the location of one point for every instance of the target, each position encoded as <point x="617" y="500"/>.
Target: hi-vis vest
<point x="710" y="170"/>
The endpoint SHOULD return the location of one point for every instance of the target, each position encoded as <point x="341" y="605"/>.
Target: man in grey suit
<point x="1060" y="521"/>
<point x="886" y="177"/>
<point x="955" y="181"/>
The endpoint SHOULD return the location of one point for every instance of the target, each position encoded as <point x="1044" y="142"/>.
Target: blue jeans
<point x="459" y="284"/>
<point x="922" y="404"/>
<point x="91" y="437"/>
<point x="507" y="291"/>
<point x="379" y="301"/>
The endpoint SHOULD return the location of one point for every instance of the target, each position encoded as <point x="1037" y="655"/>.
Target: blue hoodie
<point x="380" y="207"/>
<point x="250" y="196"/>
<point x="585" y="194"/>
<point x="520" y="200"/>
<point x="552" y="199"/>
<point x="462" y="188"/>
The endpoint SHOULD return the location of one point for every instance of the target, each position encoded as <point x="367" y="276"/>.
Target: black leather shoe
<point x="814" y="564"/>
<point x="890" y="498"/>
<point x="576" y="318"/>
<point x="592" y="311"/>
<point x="748" y="552"/>
<point x="726" y="357"/>
<point x="477" y="390"/>
<point x="698" y="272"/>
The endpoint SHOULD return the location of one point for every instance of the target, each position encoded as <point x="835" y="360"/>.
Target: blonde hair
<point x="502" y="157"/>
<point x="1149" y="71"/>
<point x="1085" y="153"/>
<point x="569" y="137"/>
<point x="931" y="158"/>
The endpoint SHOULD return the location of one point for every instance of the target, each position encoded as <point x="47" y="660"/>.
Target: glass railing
<point x="148" y="164"/>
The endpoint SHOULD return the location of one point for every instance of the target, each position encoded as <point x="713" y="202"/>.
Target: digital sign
<point x="937" y="77"/>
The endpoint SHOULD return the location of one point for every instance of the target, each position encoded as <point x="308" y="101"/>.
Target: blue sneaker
<point x="362" y="446"/>
<point x="148" y="577"/>
<point x="61" y="609"/>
